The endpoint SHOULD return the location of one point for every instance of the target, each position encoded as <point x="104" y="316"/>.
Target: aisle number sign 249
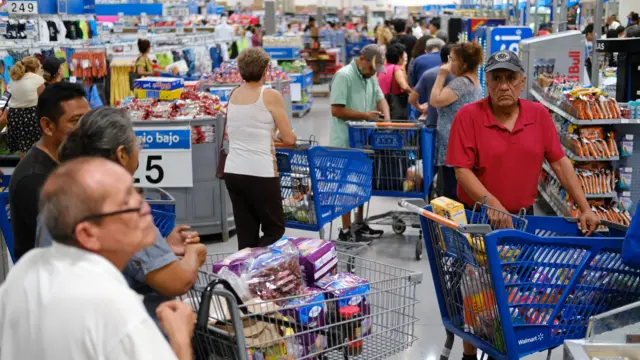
<point x="25" y="7"/>
<point x="165" y="159"/>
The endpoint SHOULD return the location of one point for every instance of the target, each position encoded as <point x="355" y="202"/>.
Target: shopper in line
<point x="427" y="61"/>
<point x="25" y="86"/>
<point x="384" y="35"/>
<point x="419" y="97"/>
<point x="408" y="40"/>
<point x="52" y="70"/>
<point x="60" y="106"/>
<point x="588" y="46"/>
<point x="434" y="26"/>
<point x="250" y="172"/>
<point x="418" y="50"/>
<point x="393" y="82"/>
<point x="356" y="96"/>
<point x="143" y="64"/>
<point x="70" y="301"/>
<point x="155" y="271"/>
<point x="498" y="145"/>
<point x="464" y="60"/>
<point x="634" y="23"/>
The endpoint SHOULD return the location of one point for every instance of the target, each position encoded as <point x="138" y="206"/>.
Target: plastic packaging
<point x="274" y="274"/>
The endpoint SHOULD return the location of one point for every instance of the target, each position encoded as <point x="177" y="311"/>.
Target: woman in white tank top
<point x="251" y="176"/>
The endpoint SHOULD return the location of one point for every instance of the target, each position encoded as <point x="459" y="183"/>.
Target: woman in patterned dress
<point x="25" y="87"/>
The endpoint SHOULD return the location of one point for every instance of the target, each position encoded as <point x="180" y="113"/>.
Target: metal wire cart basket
<point x="371" y="320"/>
<point x="513" y="285"/>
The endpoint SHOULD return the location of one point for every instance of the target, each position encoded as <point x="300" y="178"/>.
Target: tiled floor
<point x="390" y="249"/>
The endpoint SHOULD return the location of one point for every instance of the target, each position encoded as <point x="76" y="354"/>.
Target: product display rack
<point x="300" y="84"/>
<point x="558" y="205"/>
<point x="282" y="86"/>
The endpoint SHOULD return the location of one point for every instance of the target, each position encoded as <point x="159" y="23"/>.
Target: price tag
<point x="22" y="7"/>
<point x="165" y="159"/>
<point x="118" y="27"/>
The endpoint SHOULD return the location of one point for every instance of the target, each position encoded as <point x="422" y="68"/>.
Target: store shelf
<point x="576" y="121"/>
<point x="550" y="199"/>
<point x="571" y="155"/>
<point x="611" y="195"/>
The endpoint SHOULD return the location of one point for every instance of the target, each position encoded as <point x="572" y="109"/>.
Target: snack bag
<point x="237" y="261"/>
<point x="274" y="274"/>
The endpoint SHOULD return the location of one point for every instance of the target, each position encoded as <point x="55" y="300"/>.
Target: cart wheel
<point x="398" y="226"/>
<point x="419" y="249"/>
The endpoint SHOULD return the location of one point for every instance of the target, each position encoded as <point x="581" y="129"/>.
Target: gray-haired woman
<point x="155" y="272"/>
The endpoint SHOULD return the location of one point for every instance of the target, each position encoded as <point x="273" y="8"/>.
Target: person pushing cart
<point x="356" y="95"/>
<point x="497" y="147"/>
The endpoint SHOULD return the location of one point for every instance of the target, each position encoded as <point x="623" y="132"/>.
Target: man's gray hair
<point x="442" y="35"/>
<point x="435" y="43"/>
<point x="66" y="199"/>
<point x="100" y="132"/>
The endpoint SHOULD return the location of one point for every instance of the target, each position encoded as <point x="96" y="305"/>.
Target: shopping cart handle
<point x="428" y="214"/>
<point x="606" y="223"/>
<point x="205" y="301"/>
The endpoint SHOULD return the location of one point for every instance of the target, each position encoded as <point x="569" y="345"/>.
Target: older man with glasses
<point x="70" y="301"/>
<point x="497" y="146"/>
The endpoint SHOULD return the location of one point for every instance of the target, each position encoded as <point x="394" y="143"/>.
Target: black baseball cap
<point x="504" y="60"/>
<point x="52" y="64"/>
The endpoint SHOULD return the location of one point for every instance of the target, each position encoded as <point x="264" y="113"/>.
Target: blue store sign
<point x="508" y="38"/>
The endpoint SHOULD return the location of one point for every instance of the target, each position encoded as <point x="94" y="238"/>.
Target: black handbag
<point x="398" y="103"/>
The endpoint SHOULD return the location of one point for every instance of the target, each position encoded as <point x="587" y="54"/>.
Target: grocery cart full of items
<point x="513" y="285"/>
<point x="319" y="184"/>
<point x="302" y="299"/>
<point x="402" y="154"/>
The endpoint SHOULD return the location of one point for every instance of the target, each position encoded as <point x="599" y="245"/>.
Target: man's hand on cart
<point x="499" y="216"/>
<point x="180" y="237"/>
<point x="589" y="222"/>
<point x="374" y="116"/>
<point x="177" y="319"/>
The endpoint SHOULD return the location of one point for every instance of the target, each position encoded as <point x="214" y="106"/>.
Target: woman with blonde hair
<point x="25" y="87"/>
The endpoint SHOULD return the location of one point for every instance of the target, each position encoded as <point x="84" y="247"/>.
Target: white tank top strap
<point x="260" y="101"/>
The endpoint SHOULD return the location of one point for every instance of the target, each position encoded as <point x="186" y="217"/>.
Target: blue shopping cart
<point x="318" y="184"/>
<point x="515" y="285"/>
<point x="5" y="217"/>
<point x="402" y="154"/>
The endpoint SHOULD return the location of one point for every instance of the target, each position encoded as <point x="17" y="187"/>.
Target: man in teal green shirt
<point x="356" y="96"/>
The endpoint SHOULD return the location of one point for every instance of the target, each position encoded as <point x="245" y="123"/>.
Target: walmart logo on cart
<point x="536" y="338"/>
<point x="174" y="139"/>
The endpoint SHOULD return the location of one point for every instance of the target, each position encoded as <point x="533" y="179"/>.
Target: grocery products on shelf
<point x="584" y="103"/>
<point x="228" y="73"/>
<point x="294" y="67"/>
<point x="190" y="105"/>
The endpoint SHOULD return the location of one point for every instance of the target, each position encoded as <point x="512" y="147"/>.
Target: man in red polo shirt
<point x="497" y="146"/>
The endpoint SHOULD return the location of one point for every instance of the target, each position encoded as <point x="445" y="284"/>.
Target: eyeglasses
<point x="108" y="214"/>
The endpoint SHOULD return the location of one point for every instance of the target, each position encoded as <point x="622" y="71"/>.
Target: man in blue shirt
<point x="419" y="97"/>
<point x="427" y="61"/>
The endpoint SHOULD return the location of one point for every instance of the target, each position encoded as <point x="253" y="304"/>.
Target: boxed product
<point x="625" y="175"/>
<point x="318" y="258"/>
<point x="627" y="146"/>
<point x="308" y="310"/>
<point x="348" y="290"/>
<point x="237" y="261"/>
<point x="452" y="210"/>
<point x="162" y="88"/>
